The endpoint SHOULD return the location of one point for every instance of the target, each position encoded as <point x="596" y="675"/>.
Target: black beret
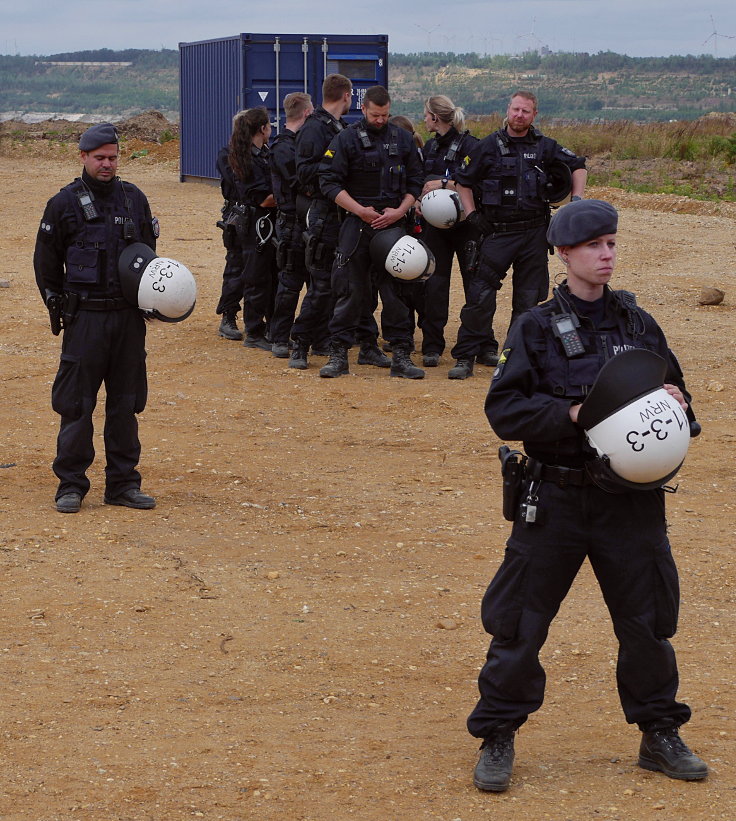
<point x="580" y="221"/>
<point x="97" y="135"/>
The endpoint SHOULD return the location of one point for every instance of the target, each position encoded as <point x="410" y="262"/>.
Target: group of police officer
<point x="339" y="188"/>
<point x="357" y="186"/>
<point x="338" y="199"/>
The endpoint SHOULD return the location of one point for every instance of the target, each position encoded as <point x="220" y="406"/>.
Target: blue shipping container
<point x="218" y="78"/>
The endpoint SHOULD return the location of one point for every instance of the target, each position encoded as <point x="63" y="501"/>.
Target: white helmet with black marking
<point x="638" y="429"/>
<point x="162" y="288"/>
<point x="404" y="257"/>
<point x="442" y="208"/>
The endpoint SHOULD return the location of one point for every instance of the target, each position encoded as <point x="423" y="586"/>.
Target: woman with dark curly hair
<point x="248" y="158"/>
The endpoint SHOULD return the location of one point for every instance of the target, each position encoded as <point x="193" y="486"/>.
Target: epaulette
<point x="634" y="319"/>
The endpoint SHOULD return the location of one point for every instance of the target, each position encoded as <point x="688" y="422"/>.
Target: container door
<point x="209" y="92"/>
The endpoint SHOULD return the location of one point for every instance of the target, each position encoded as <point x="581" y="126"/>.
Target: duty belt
<point x="116" y="304"/>
<point x="509" y="227"/>
<point x="557" y="474"/>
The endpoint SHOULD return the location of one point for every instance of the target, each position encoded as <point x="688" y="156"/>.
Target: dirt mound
<point x="727" y="118"/>
<point x="150" y="126"/>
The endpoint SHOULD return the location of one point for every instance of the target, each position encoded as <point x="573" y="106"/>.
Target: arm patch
<point x="502" y="360"/>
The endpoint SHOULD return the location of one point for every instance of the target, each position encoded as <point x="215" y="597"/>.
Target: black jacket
<point x="535" y="383"/>
<point x="81" y="255"/>
<point x="376" y="168"/>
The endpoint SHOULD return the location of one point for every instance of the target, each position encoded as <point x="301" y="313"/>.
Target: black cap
<point x="622" y="380"/>
<point x="582" y="220"/>
<point x="97" y="135"/>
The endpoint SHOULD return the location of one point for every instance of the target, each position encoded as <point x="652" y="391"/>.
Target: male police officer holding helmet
<point x="551" y="361"/>
<point x="83" y="231"/>
<point x="503" y="184"/>
<point x="372" y="170"/>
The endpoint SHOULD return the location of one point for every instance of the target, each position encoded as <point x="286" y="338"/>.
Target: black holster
<point x="62" y="309"/>
<point x="513" y="464"/>
<point x="54" y="306"/>
<point x="284" y="254"/>
<point x="471" y="249"/>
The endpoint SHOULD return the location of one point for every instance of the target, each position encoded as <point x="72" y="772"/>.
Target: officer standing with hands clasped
<point x="570" y="498"/>
<point x="322" y="226"/>
<point x="505" y="184"/>
<point x="372" y="171"/>
<point x="83" y="231"/>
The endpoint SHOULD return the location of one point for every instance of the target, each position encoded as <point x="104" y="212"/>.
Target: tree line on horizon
<point x="605" y="85"/>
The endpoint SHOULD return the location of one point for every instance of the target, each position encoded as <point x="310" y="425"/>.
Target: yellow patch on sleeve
<point x="466" y="160"/>
<point x="505" y="354"/>
<point x="329" y="153"/>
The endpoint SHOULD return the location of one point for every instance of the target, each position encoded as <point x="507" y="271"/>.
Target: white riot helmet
<point x="442" y="208"/>
<point x="640" y="432"/>
<point x="162" y="288"/>
<point x="404" y="257"/>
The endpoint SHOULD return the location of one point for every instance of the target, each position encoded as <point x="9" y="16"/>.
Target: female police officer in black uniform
<point x="443" y="153"/>
<point x="248" y="158"/>
<point x="535" y="396"/>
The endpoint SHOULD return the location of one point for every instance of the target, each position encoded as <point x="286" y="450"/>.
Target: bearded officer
<point x="83" y="231"/>
<point x="562" y="513"/>
<point x="320" y="217"/>
<point x="372" y="170"/>
<point x="503" y="187"/>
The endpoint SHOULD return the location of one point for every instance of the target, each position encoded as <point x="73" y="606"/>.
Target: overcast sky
<point x="640" y="28"/>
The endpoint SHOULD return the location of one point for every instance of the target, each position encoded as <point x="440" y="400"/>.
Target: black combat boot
<point x="431" y="360"/>
<point x="337" y="364"/>
<point x="493" y="770"/>
<point x="69" y="502"/>
<point x="298" y="358"/>
<point x="252" y="341"/>
<point x="488" y="358"/>
<point x="280" y="349"/>
<point x="462" y="370"/>
<point x="664" y="751"/>
<point x="402" y="365"/>
<point x="229" y="327"/>
<point x="371" y="354"/>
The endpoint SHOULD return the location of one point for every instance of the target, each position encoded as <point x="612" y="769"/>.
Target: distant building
<point x="109" y="64"/>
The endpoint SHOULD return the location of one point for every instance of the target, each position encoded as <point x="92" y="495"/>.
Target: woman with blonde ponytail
<point x="443" y="153"/>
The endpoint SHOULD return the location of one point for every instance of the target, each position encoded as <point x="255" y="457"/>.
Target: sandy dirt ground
<point x="294" y="633"/>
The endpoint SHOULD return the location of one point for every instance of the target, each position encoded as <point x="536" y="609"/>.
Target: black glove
<point x="478" y="225"/>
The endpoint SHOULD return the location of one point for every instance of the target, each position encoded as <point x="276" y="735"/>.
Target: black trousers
<point x="527" y="252"/>
<point x="292" y="277"/>
<point x="444" y="244"/>
<point x="624" y="537"/>
<point x="312" y="324"/>
<point x="353" y="286"/>
<point x="232" y="281"/>
<point x="259" y="284"/>
<point x="109" y="347"/>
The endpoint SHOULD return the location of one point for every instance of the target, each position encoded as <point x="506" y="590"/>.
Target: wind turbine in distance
<point x="715" y="35"/>
<point x="532" y="36"/>
<point x="428" y="32"/>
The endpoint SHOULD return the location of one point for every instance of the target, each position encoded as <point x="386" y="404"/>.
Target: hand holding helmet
<point x="162" y="288"/>
<point x="442" y="208"/>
